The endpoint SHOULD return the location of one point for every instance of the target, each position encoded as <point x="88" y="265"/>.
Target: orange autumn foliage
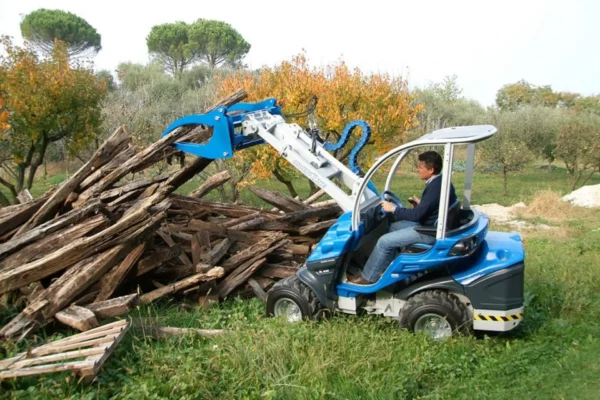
<point x="343" y="94"/>
<point x="43" y="101"/>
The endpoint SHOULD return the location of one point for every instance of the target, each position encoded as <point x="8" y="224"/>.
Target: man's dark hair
<point x="432" y="160"/>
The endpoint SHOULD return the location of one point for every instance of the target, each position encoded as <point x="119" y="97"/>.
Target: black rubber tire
<point x="294" y="289"/>
<point x="437" y="302"/>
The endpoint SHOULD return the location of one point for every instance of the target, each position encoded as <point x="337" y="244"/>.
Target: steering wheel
<point x="391" y="197"/>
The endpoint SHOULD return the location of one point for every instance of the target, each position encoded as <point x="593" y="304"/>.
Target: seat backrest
<point x="452" y="218"/>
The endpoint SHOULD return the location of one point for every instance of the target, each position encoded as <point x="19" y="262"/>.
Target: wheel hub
<point x="288" y="308"/>
<point x="434" y="325"/>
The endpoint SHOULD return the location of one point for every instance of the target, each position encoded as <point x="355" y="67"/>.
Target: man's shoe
<point x="359" y="280"/>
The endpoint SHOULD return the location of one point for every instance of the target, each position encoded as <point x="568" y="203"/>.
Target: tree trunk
<point x="286" y="182"/>
<point x="588" y="177"/>
<point x="576" y="181"/>
<point x="505" y="172"/>
<point x="38" y="161"/>
<point x="11" y="187"/>
<point x="22" y="167"/>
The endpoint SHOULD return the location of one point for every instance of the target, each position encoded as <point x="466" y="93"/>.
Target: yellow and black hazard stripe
<point x="499" y="318"/>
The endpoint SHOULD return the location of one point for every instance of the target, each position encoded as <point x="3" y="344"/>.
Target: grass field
<point x="554" y="354"/>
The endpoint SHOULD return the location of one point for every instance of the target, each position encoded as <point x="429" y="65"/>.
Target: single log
<point x="150" y="328"/>
<point x="238" y="277"/>
<point x="297" y="249"/>
<point x="320" y="193"/>
<point x="113" y="279"/>
<point x="156" y="259"/>
<point x="232" y="223"/>
<point x="277" y="226"/>
<point x="313" y="212"/>
<point x="149" y="191"/>
<point x="276" y="271"/>
<point x="113" y="145"/>
<point x="77" y="317"/>
<point x="113" y="307"/>
<point x="217" y="252"/>
<point x="72" y="217"/>
<point x="186" y="173"/>
<point x="211" y="183"/>
<point x="326" y="203"/>
<point x="258" y="291"/>
<point x="48" y="244"/>
<point x="258" y="248"/>
<point x="214" y="273"/>
<point x="131" y="187"/>
<point x="278" y="200"/>
<point x="250" y="224"/>
<point x="106" y="169"/>
<point x="316" y="227"/>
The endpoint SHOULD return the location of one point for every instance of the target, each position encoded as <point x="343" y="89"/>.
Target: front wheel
<point x="436" y="313"/>
<point x="292" y="299"/>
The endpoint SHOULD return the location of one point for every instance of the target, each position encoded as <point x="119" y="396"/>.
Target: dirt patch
<point x="509" y="216"/>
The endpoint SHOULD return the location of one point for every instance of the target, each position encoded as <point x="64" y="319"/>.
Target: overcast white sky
<point x="486" y="43"/>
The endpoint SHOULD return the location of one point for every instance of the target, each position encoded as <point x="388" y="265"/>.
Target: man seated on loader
<point x="402" y="232"/>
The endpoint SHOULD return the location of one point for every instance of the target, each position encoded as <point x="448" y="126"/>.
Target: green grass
<point x="554" y="354"/>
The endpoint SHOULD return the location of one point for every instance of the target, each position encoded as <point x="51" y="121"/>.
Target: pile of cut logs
<point x="98" y="244"/>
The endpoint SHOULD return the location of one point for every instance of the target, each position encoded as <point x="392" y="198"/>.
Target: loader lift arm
<point x="245" y="125"/>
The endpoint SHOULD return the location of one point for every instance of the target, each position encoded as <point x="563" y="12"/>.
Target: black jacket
<point x="426" y="213"/>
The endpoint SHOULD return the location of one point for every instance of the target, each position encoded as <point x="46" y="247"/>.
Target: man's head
<point x="430" y="163"/>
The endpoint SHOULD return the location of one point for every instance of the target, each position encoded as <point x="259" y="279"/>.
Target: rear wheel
<point x="436" y="313"/>
<point x="291" y="299"/>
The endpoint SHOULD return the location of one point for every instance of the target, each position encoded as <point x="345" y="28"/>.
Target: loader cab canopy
<point x="449" y="138"/>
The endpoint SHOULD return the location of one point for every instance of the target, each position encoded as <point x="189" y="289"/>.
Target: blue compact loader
<point x="468" y="279"/>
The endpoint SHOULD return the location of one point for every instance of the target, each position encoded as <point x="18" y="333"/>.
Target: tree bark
<point x="38" y="161"/>
<point x="22" y="167"/>
<point x="11" y="187"/>
<point x="589" y="176"/>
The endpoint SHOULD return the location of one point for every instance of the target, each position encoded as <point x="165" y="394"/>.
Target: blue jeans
<point x="401" y="234"/>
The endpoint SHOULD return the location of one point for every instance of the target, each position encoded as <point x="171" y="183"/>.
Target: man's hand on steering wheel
<point x="388" y="206"/>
